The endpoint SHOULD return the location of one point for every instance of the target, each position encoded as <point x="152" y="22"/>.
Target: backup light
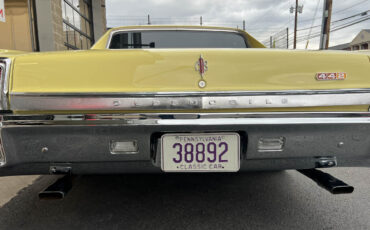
<point x="268" y="144"/>
<point x="124" y="147"/>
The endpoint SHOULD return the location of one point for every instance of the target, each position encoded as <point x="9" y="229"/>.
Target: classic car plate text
<point x="215" y="152"/>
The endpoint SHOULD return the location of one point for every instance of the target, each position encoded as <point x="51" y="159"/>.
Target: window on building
<point x="77" y="24"/>
<point x="365" y="46"/>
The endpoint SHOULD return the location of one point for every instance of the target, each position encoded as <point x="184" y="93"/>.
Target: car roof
<point x="175" y="27"/>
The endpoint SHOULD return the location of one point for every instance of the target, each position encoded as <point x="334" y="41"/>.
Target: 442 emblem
<point x="331" y="76"/>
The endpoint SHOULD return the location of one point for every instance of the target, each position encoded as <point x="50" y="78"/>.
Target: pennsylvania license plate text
<point x="200" y="152"/>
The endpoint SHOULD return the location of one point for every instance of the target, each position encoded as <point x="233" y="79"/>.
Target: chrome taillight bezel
<point x="2" y="153"/>
<point x="4" y="100"/>
<point x="4" y="83"/>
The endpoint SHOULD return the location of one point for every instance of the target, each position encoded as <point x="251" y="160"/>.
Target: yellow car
<point x="182" y="99"/>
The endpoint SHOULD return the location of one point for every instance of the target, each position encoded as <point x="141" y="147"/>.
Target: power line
<point x="347" y="23"/>
<point x="334" y="22"/>
<point x="339" y="11"/>
<point x="336" y="28"/>
<point x="347" y="8"/>
<point x="313" y="21"/>
<point x="339" y="20"/>
<point x="359" y="14"/>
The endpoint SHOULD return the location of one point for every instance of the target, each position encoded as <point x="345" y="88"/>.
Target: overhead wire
<point x="353" y="5"/>
<point x="300" y="39"/>
<point x="340" y="11"/>
<point x="313" y="21"/>
<point x="364" y="13"/>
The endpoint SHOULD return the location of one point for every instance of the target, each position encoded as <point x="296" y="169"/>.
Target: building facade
<point x="360" y="42"/>
<point x="52" y="25"/>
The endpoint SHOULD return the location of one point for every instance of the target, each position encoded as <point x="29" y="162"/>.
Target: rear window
<point x="177" y="39"/>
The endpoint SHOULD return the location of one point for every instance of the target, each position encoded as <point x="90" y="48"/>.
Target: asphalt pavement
<point x="260" y="200"/>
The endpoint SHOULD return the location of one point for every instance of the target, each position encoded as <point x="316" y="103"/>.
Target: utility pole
<point x="149" y="23"/>
<point x="287" y="37"/>
<point x="201" y="20"/>
<point x="244" y="25"/>
<point x="297" y="9"/>
<point x="325" y="27"/>
<point x="270" y="41"/>
<point x="295" y="24"/>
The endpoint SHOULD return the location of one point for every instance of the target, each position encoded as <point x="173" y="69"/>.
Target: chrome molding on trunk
<point x="187" y="100"/>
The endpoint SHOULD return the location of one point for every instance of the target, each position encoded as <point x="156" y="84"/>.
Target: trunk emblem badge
<point x="331" y="76"/>
<point x="201" y="66"/>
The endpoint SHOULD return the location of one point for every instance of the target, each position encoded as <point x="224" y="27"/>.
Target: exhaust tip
<point x="58" y="190"/>
<point x="327" y="181"/>
<point x="343" y="190"/>
<point x="51" y="195"/>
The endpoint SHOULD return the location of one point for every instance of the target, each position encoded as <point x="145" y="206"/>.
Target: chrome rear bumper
<point x="35" y="144"/>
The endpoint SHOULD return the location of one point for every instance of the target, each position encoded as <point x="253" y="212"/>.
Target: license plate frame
<point x="210" y="141"/>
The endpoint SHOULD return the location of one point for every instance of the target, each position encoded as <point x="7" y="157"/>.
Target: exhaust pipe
<point x="58" y="190"/>
<point x="327" y="181"/>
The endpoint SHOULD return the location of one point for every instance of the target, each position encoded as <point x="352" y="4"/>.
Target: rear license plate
<point x="205" y="152"/>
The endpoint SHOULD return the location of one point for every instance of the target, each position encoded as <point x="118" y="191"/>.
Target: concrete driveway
<point x="268" y="200"/>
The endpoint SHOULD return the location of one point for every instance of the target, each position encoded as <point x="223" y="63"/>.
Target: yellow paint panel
<point x="173" y="70"/>
<point x="164" y="70"/>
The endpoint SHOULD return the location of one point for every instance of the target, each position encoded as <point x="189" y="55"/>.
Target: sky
<point x="263" y="18"/>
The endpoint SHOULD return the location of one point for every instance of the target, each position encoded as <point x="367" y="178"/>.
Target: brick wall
<point x="99" y="16"/>
<point x="104" y="13"/>
<point x="56" y="9"/>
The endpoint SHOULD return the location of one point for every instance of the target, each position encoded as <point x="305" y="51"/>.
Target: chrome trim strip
<point x="27" y="102"/>
<point x="266" y="121"/>
<point x="109" y="41"/>
<point x="5" y="64"/>
<point x="199" y="93"/>
<point x="183" y="119"/>
<point x="286" y="101"/>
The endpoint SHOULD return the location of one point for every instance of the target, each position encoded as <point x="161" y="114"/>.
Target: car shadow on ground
<point x="268" y="200"/>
